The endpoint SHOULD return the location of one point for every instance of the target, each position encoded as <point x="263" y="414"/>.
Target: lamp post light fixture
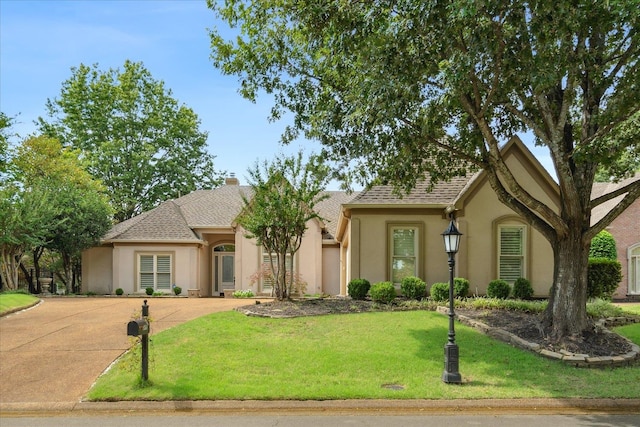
<point x="451" y="375"/>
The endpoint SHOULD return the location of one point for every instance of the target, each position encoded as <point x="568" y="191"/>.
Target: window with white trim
<point x="403" y="241"/>
<point x="511" y="252"/>
<point x="155" y="271"/>
<point x="267" y="279"/>
<point x="634" y="270"/>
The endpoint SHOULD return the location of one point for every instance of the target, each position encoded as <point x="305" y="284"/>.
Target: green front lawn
<point x="231" y="356"/>
<point x="10" y="301"/>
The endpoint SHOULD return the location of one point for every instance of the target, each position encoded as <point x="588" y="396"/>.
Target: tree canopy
<point x="285" y="192"/>
<point x="397" y="89"/>
<point x="139" y="141"/>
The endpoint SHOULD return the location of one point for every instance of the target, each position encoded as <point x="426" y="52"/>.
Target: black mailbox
<point x="138" y="327"/>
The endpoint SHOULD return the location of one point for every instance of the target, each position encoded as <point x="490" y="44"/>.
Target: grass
<point x="231" y="356"/>
<point x="10" y="301"/>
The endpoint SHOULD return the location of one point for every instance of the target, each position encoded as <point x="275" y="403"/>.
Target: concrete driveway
<point x="54" y="351"/>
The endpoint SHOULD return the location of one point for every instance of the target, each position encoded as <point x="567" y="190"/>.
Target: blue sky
<point x="40" y="40"/>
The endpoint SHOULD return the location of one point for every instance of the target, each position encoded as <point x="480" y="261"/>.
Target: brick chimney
<point x="232" y="180"/>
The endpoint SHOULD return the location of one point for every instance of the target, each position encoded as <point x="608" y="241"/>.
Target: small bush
<point x="149" y="291"/>
<point x="440" y="291"/>
<point x="243" y="293"/>
<point x="383" y="292"/>
<point x="119" y="291"/>
<point x="177" y="290"/>
<point x="603" y="277"/>
<point x="603" y="246"/>
<point x="358" y="288"/>
<point x="413" y="288"/>
<point x="522" y="289"/>
<point x="498" y="289"/>
<point x="460" y="287"/>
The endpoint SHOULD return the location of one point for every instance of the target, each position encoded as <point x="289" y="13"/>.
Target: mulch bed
<point x="525" y="325"/>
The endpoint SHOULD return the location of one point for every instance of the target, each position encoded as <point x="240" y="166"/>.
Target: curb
<point x="542" y="406"/>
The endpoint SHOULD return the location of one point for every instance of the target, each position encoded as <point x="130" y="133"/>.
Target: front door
<point x="223" y="269"/>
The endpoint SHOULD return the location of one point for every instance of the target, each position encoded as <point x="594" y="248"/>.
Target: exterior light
<point x="451" y="375"/>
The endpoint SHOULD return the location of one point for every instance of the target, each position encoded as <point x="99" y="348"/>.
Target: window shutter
<point x="511" y="257"/>
<point x="163" y="269"/>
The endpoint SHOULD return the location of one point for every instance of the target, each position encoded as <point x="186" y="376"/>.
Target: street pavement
<point x="51" y="354"/>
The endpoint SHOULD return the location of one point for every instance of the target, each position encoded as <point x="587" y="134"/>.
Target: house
<point x="194" y="242"/>
<point x="625" y="229"/>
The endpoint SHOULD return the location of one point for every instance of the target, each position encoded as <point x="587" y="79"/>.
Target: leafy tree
<point x="285" y="193"/>
<point x="397" y="89"/>
<point x="82" y="212"/>
<point x="142" y="144"/>
<point x="5" y="133"/>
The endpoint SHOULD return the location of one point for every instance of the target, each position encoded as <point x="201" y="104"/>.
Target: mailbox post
<point x="140" y="327"/>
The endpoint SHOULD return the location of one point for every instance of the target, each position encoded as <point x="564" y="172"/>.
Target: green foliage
<point x="522" y="289"/>
<point x="460" y="287"/>
<point x="119" y="291"/>
<point x="383" y="292"/>
<point x="243" y="293"/>
<point x="285" y="193"/>
<point x="440" y="291"/>
<point x="413" y="288"/>
<point x="599" y="308"/>
<point x="149" y="291"/>
<point x="177" y="290"/>
<point x="498" y="289"/>
<point x="358" y="288"/>
<point x="603" y="246"/>
<point x="139" y="141"/>
<point x="603" y="277"/>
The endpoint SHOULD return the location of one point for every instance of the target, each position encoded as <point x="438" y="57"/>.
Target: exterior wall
<point x="626" y="231"/>
<point x="369" y="257"/>
<point x="331" y="270"/>
<point x="185" y="265"/>
<point x="97" y="271"/>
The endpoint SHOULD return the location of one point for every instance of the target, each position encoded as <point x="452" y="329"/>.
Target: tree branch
<point x="633" y="193"/>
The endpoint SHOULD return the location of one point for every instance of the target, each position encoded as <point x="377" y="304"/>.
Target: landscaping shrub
<point x="177" y="290"/>
<point x="383" y="292"/>
<point x="119" y="291"/>
<point x="522" y="289"/>
<point x="603" y="246"/>
<point x="358" y="288"/>
<point x="603" y="277"/>
<point x="460" y="287"/>
<point x="498" y="289"/>
<point x="440" y="291"/>
<point x="243" y="293"/>
<point x="149" y="291"/>
<point x="413" y="288"/>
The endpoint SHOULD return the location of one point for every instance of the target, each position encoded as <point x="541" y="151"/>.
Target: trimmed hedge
<point x="383" y="292"/>
<point x="358" y="288"/>
<point x="413" y="288"/>
<point x="522" y="289"/>
<point x="603" y="245"/>
<point x="460" y="287"/>
<point x="440" y="291"/>
<point x="498" y="289"/>
<point x="603" y="277"/>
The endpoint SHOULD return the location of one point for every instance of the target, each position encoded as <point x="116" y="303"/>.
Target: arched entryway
<point x="223" y="268"/>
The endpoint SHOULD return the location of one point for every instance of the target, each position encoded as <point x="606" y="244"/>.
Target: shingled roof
<point x="442" y="193"/>
<point x="602" y="188"/>
<point x="175" y="220"/>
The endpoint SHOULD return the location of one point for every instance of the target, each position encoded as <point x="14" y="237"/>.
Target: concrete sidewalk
<point x="51" y="354"/>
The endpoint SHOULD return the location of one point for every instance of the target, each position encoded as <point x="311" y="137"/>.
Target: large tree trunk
<point x="566" y="314"/>
<point x="9" y="265"/>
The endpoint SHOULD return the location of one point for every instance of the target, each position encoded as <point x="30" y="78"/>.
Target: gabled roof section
<point x="329" y="210"/>
<point x="213" y="208"/>
<point x="162" y="223"/>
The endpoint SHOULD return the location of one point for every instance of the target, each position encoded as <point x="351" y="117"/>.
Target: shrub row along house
<point x="195" y="243"/>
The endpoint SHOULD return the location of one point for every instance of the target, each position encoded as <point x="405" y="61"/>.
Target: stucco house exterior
<point x="626" y="231"/>
<point x="194" y="242"/>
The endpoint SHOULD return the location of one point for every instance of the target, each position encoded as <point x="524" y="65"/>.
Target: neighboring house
<point x="193" y="241"/>
<point x="626" y="231"/>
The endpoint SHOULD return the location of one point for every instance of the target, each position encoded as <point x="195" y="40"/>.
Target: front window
<point x="155" y="271"/>
<point x="634" y="271"/>
<point x="267" y="275"/>
<point x="404" y="252"/>
<point x="511" y="252"/>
